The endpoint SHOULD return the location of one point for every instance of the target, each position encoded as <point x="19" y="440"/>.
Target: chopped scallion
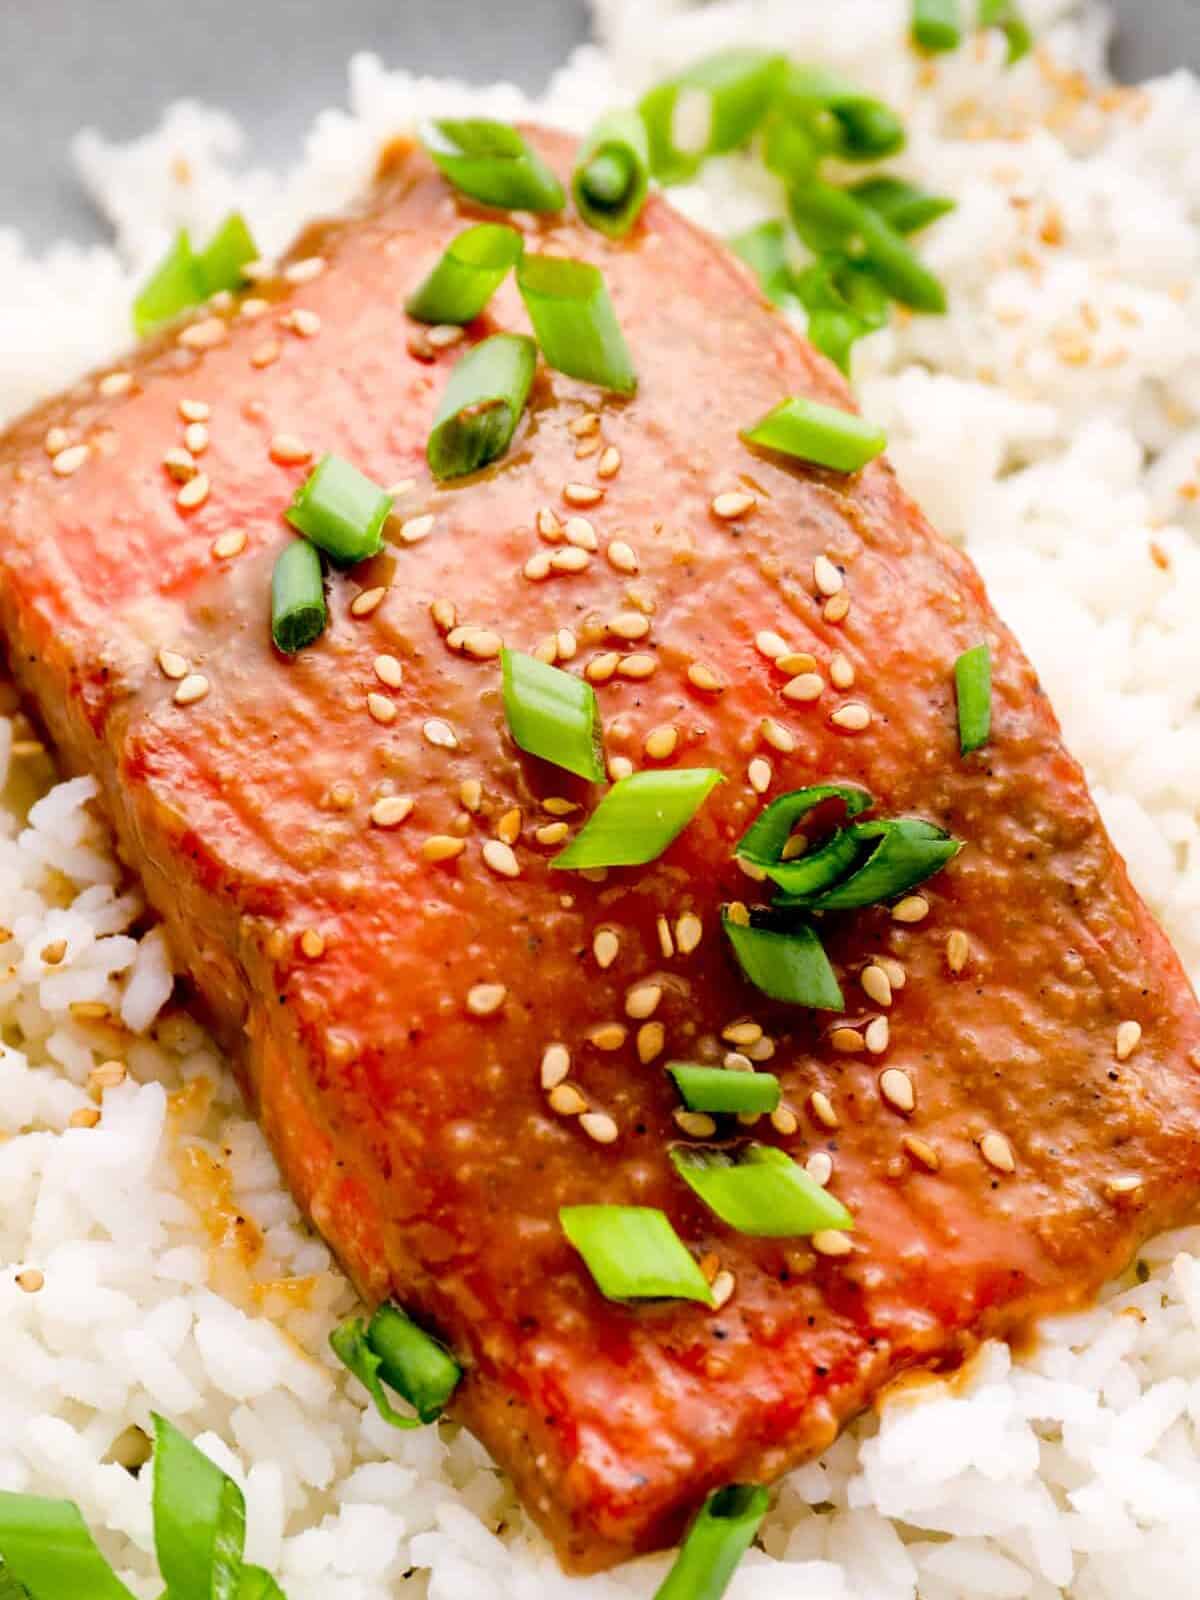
<point x="760" y="1191"/>
<point x="907" y="208"/>
<point x="824" y="435"/>
<point x="820" y="869"/>
<point x="482" y="405"/>
<point x="634" y="1253"/>
<point x="613" y="174"/>
<point x="843" y="120"/>
<point x="900" y="853"/>
<point x="553" y="714"/>
<point x="844" y="302"/>
<point x="199" y="1520"/>
<point x="786" y="964"/>
<point x="492" y="163"/>
<point x="936" y="25"/>
<point x="575" y="323"/>
<point x="47" y="1549"/>
<point x="392" y="1350"/>
<point x="764" y="250"/>
<point x="764" y="840"/>
<point x="469" y="272"/>
<point x="227" y="253"/>
<point x="712" y="107"/>
<point x="185" y="277"/>
<point x="716" y="1542"/>
<point x="789" y="149"/>
<point x="639" y="817"/>
<point x="1006" y="15"/>
<point x="341" y="511"/>
<point x="973" y="688"/>
<point x="831" y="219"/>
<point x="298" y="612"/>
<point x="721" y="1089"/>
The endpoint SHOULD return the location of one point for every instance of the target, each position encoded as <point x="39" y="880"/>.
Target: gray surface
<point x="115" y="63"/>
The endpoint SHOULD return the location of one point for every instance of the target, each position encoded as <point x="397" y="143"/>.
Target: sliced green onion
<point x="10" y="1589"/>
<point x="846" y="122"/>
<point x="298" y="612"/>
<point x="973" y="687"/>
<point x="936" y="25"/>
<point x="173" y="286"/>
<point x="553" y="714"/>
<point x="482" y="405"/>
<point x="574" y="320"/>
<point x="764" y="249"/>
<point x="259" y="1585"/>
<point x="787" y="965"/>
<point x="844" y="302"/>
<point x="831" y="219"/>
<point x="764" y="840"/>
<point x="869" y="130"/>
<point x="47" y="1549"/>
<point x="760" y="1191"/>
<point x="634" y="1253"/>
<point x="720" y="1089"/>
<point x="227" y="253"/>
<point x="613" y="174"/>
<point x="902" y="853"/>
<point x="341" y="511"/>
<point x="470" y="271"/>
<point x="817" y="871"/>
<point x="716" y="1542"/>
<point x="639" y="817"/>
<point x="391" y="1349"/>
<point x="199" y="1520"/>
<point x="824" y="435"/>
<point x="907" y="208"/>
<point x="712" y="107"/>
<point x="789" y="149"/>
<point x="492" y="163"/>
<point x="1006" y="15"/>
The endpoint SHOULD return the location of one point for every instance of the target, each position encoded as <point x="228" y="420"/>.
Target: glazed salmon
<point x="1010" y="1101"/>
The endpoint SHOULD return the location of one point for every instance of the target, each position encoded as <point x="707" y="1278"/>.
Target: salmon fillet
<point x="390" y="1012"/>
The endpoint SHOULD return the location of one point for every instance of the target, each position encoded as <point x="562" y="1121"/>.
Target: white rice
<point x="1052" y="423"/>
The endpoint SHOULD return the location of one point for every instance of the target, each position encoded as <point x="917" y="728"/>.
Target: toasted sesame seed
<point x="443" y="614"/>
<point x="629" y="625"/>
<point x="896" y="974"/>
<point x="602" y="667"/>
<point x="266" y="354"/>
<point x="1122" y="1187"/>
<point x="566" y="1099"/>
<point x="660" y="743"/>
<point x="776" y="735"/>
<point x="827" y="577"/>
<point x="896" y="1087"/>
<point x="794" y="845"/>
<point x="876" y="1034"/>
<point x="651" y="1037"/>
<point x="195" y="410"/>
<point x="508" y="828"/>
<point x="642" y="1001"/>
<point x="368" y="601"/>
<point x="305" y="270"/>
<point x="819" y="1167"/>
<point x="997" y="1152"/>
<point x="485" y="999"/>
<point x="794" y="662"/>
<point x="913" y="908"/>
<point x="501" y="859"/>
<point x="581" y="426"/>
<point x="1129" y="1036"/>
<point x="56" y="441"/>
<point x="689" y="930"/>
<point x="737" y="912"/>
<point x="822" y="1110"/>
<point x="742" y="1033"/>
<point x="115" y="383"/>
<point x="444" y="335"/>
<point x="606" y="946"/>
<point x="723" y="1286"/>
<point x="703" y="677"/>
<point x="253" y="307"/>
<point x="637" y="666"/>
<point x="537" y="567"/>
<point x="784" y="1120"/>
<point x="588" y="447"/>
<point x="312" y="944"/>
<point x="551" y="833"/>
<point x="608" y="1035"/>
<point x="622" y="556"/>
<point x="853" y="717"/>
<point x="54" y="952"/>
<point x="582" y="494"/>
<point x="847" y="1041"/>
<point x="391" y="810"/>
<point x="598" y="1125"/>
<point x="442" y="847"/>
<point x="482" y="644"/>
<point x="579" y="532"/>
<point x="171" y="664"/>
<point x="548" y="525"/>
<point x="414" y="529"/>
<point x="229" y="544"/>
<point x="440" y="734"/>
<point x="804" y="687"/>
<point x="734" y="503"/>
<point x="556" y="1064"/>
<point x="470" y="793"/>
<point x="921" y="1151"/>
<point x="696" y="1123"/>
<point x="180" y="464"/>
<point x="771" y="645"/>
<point x="381" y="708"/>
<point x="609" y="463"/>
<point x="70" y="460"/>
<point x="759" y="775"/>
<point x="568" y="644"/>
<point x="194" y="687"/>
<point x="831" y="1242"/>
<point x="31" y="1280"/>
<point x="195" y="438"/>
<point x="204" y="335"/>
<point x="837" y="607"/>
<point x="388" y="670"/>
<point x="106" y="1075"/>
<point x="752" y="870"/>
<point x="287" y="450"/>
<point x="85" y="1117"/>
<point x="570" y="559"/>
<point x="620" y="767"/>
<point x="841" y="670"/>
<point x="86" y="1010"/>
<point x="761" y="1049"/>
<point x="737" y="1061"/>
<point x="305" y="324"/>
<point x="876" y="984"/>
<point x="193" y="493"/>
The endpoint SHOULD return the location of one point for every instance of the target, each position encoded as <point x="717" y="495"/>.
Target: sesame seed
<point x="537" y="567"/>
<point x="784" y="1120"/>
<point x="253" y="307"/>
<point x="742" y="1033"/>
<point x="391" y="810"/>
<point x="500" y="858"/>
<point x="629" y="625"/>
<point x="759" y="774"/>
<point x="796" y="661"/>
<point x="651" y="1037"/>
<point x="193" y="687"/>
<point x="837" y="607"/>
<point x="896" y="974"/>
<point x="368" y="601"/>
<point x="847" y="1041"/>
<point x="852" y="717"/>
<point x="572" y="559"/>
<point x="606" y="947"/>
<point x="56" y="441"/>
<point x="736" y="1061"/>
<point x="470" y="793"/>
<point x="703" y="677"/>
<point x="689" y="931"/>
<point x="582" y="494"/>
<point x="548" y="525"/>
<point x="896" y="1087"/>
<point x="508" y="828"/>
<point x="659" y="743"/>
<point x="566" y="1099"/>
<point x="794" y="845"/>
<point x="819" y="1167"/>
<point x="204" y="335"/>
<point x="804" y="687"/>
<point x="841" y="670"/>
<point x="831" y="1242"/>
<point x="440" y="734"/>
<point x="921" y="1151"/>
<point x="770" y="645"/>
<point x="558" y="807"/>
<point x="723" y="1286"/>
<point x="642" y="1002"/>
<point x="598" y="1125"/>
<point x="696" y="1123"/>
<point x="305" y="324"/>
<point x="287" y="450"/>
<point x="171" y="664"/>
<point x="195" y="410"/>
<point x="958" y="950"/>
<point x="419" y="346"/>
<point x="1129" y="1036"/>
<point x="913" y="908"/>
<point x="581" y="426"/>
<point x="388" y="670"/>
<point x="54" y="952"/>
<point x="485" y="999"/>
<point x="666" y="941"/>
<point x="608" y="1035"/>
<point x="828" y="579"/>
<point x="414" y="529"/>
<point x="761" y="1050"/>
<point x="87" y="1010"/>
<point x="195" y="438"/>
<point x="609" y="463"/>
<point x="266" y="354"/>
<point x="85" y="1117"/>
<point x="620" y="767"/>
<point x="115" y="383"/>
<point x="752" y="870"/>
<point x="194" y="492"/>
<point x="31" y="1280"/>
<point x="442" y="847"/>
<point x="106" y="1075"/>
<point x="381" y="708"/>
<point x="556" y="1064"/>
<point x="822" y="1110"/>
<point x="579" y="532"/>
<point x="1124" y="1186"/>
<point x="444" y="335"/>
<point x="622" y="556"/>
<point x="776" y="735"/>
<point x="876" y="984"/>
<point x="306" y="270"/>
<point x="737" y="912"/>
<point x="482" y="644"/>
<point x="551" y="833"/>
<point x="877" y="1034"/>
<point x="68" y="461"/>
<point x="602" y="667"/>
<point x="229" y="544"/>
<point x="734" y="503"/>
<point x="997" y="1152"/>
<point x="568" y="645"/>
<point x="637" y="666"/>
